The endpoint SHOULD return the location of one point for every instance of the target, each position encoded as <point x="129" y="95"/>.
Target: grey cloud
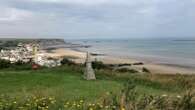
<point x="91" y="19"/>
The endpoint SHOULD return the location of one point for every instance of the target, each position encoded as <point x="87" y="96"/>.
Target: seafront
<point x="63" y="86"/>
<point x="79" y="57"/>
<point x="77" y="53"/>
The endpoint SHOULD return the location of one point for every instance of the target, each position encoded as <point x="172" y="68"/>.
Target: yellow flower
<point x="106" y="107"/>
<point x="78" y="106"/>
<point x="114" y="107"/>
<point x="50" y="98"/>
<point x="52" y="102"/>
<point x="122" y="108"/>
<point x="27" y="104"/>
<point x="46" y="107"/>
<point x="81" y="101"/>
<point x="101" y="106"/>
<point x="67" y="103"/>
<point x="65" y="106"/>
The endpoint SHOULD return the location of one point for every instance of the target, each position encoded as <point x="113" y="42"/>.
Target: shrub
<point x="98" y="65"/>
<point x="145" y="70"/>
<point x="125" y="64"/>
<point x="183" y="82"/>
<point x="66" y="61"/>
<point x="123" y="70"/>
<point x="20" y="65"/>
<point x="186" y="102"/>
<point x="26" y="66"/>
<point x="19" y="62"/>
<point x="139" y="63"/>
<point x="4" y="63"/>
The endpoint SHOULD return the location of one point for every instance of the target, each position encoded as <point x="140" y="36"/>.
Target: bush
<point x="183" y="82"/>
<point x="4" y="63"/>
<point x="145" y="70"/>
<point x="98" y="65"/>
<point x="139" y="63"/>
<point x="66" y="61"/>
<point x="123" y="70"/>
<point x="19" y="62"/>
<point x="20" y="65"/>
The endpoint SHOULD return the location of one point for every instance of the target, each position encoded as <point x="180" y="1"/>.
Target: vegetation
<point x="99" y="65"/>
<point x="66" y="61"/>
<point x="139" y="63"/>
<point x="46" y="43"/>
<point x="64" y="88"/>
<point x="122" y="70"/>
<point x="19" y="65"/>
<point x="4" y="63"/>
<point x="145" y="70"/>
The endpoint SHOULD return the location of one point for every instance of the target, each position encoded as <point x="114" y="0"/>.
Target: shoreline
<point x="79" y="57"/>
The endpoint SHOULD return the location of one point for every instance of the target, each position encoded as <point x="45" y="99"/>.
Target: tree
<point x="4" y="63"/>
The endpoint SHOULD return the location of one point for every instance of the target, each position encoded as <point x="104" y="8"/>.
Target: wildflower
<point x="108" y="93"/>
<point x="52" y="102"/>
<point x="37" y="100"/>
<point x="27" y="104"/>
<point x="106" y="107"/>
<point x="50" y="98"/>
<point x="164" y="95"/>
<point x="67" y="103"/>
<point x="113" y="107"/>
<point x="101" y="106"/>
<point x="28" y="100"/>
<point x="81" y="101"/>
<point x="65" y="106"/>
<point x="78" y="106"/>
<point x="178" y="96"/>
<point x="122" y="108"/>
<point x="34" y="97"/>
<point x="74" y="104"/>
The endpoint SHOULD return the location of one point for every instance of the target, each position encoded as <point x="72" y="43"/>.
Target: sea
<point x="172" y="52"/>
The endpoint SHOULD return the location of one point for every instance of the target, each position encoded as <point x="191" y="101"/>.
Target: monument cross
<point x="89" y="72"/>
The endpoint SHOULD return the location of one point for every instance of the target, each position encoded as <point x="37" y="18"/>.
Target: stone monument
<point x="89" y="72"/>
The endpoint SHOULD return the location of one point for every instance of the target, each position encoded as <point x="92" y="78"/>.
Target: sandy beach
<point x="79" y="57"/>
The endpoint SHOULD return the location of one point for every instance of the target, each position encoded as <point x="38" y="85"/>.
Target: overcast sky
<point x="97" y="18"/>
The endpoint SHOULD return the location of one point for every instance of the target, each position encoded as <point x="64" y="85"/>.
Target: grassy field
<point x="64" y="82"/>
<point x="67" y="83"/>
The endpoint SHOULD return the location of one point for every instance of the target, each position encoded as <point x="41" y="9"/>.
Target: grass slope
<point x="67" y="83"/>
<point x="61" y="82"/>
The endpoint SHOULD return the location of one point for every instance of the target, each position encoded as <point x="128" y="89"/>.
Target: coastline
<point x="79" y="57"/>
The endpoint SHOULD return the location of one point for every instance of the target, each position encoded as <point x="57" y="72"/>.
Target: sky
<point x="97" y="18"/>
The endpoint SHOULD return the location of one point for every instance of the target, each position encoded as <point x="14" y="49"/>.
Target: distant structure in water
<point x="89" y="72"/>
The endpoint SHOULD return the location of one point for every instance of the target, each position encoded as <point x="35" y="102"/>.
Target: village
<point x="29" y="52"/>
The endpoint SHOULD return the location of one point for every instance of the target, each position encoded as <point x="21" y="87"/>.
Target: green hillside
<point x="66" y="83"/>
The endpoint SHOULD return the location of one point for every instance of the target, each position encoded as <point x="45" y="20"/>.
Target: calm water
<point x="161" y="51"/>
